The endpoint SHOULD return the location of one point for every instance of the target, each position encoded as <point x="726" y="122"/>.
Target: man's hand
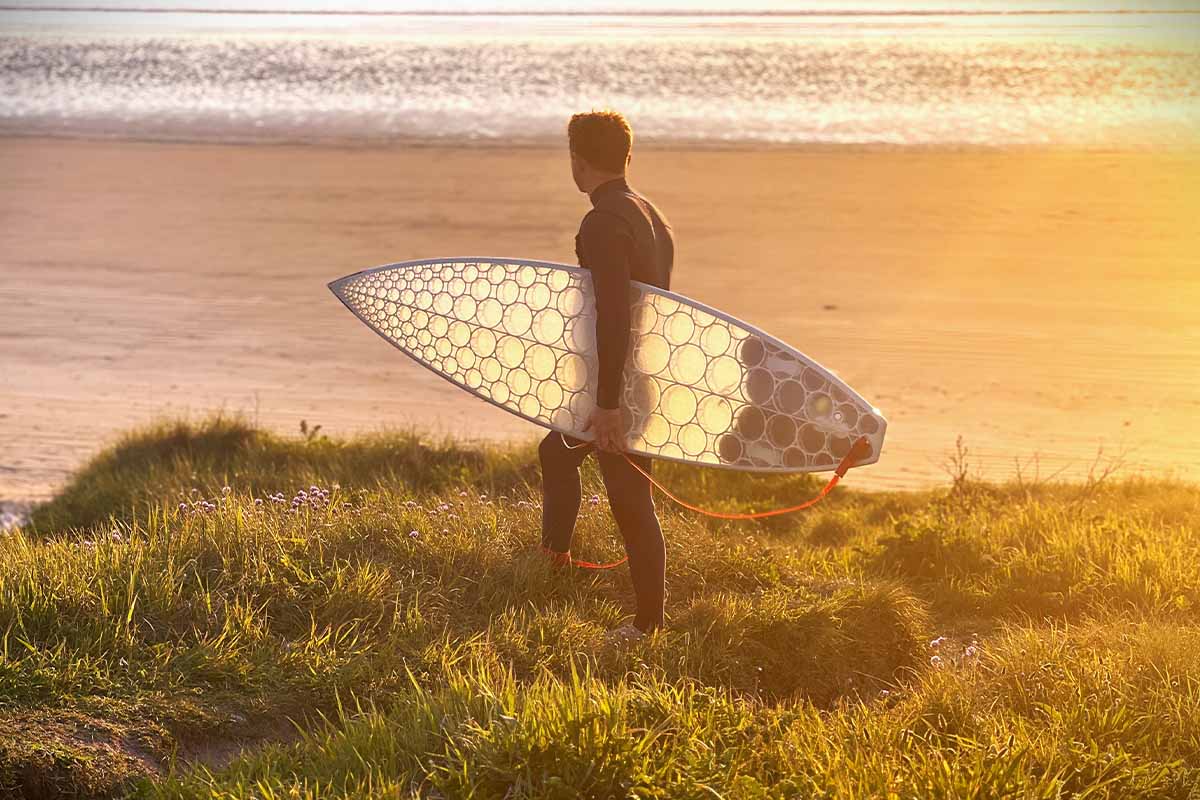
<point x="605" y="423"/>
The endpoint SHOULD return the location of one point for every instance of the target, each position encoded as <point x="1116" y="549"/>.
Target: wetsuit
<point x="623" y="238"/>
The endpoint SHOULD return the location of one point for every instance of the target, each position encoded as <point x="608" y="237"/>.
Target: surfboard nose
<point x="337" y="284"/>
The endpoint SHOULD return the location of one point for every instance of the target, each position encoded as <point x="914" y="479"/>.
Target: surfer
<point x="622" y="238"/>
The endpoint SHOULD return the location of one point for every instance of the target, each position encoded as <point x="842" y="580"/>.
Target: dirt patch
<point x="59" y="753"/>
<point x="216" y="752"/>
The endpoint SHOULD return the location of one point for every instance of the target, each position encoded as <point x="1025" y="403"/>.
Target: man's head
<point x="600" y="142"/>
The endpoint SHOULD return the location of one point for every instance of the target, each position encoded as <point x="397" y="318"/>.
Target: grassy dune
<point x="370" y="618"/>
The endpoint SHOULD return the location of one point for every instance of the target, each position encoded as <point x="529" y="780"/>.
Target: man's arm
<point x="605" y="246"/>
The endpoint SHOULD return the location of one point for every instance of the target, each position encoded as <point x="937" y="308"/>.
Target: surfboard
<point x="699" y="385"/>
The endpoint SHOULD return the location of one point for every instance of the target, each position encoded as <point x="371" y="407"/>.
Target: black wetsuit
<point x="623" y="238"/>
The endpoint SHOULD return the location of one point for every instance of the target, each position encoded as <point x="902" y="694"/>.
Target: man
<point x="622" y="238"/>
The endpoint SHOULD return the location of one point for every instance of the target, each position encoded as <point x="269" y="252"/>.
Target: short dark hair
<point x="601" y="138"/>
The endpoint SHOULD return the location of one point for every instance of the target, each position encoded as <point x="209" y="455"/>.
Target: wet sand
<point x="1035" y="302"/>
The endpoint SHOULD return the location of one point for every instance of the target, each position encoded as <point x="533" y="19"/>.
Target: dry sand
<point x="1035" y="303"/>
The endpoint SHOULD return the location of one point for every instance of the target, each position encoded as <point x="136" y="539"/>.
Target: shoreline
<point x="1035" y="303"/>
<point x="367" y="144"/>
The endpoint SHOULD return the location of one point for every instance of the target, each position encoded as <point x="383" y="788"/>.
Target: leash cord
<point x="858" y="450"/>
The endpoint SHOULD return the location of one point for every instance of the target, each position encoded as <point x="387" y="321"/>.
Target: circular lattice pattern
<point x="697" y="386"/>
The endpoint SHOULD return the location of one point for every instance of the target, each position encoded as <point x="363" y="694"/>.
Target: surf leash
<point x="857" y="452"/>
<point x="566" y="560"/>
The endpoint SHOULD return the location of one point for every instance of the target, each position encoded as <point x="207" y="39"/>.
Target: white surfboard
<point x="700" y="386"/>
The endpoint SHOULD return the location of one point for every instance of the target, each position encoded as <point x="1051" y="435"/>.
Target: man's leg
<point x="632" y="505"/>
<point x="561" y="493"/>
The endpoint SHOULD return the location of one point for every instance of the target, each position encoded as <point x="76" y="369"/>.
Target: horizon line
<point x="850" y="12"/>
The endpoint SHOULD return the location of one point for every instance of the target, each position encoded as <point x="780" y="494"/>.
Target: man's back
<point x="621" y="214"/>
<point x="623" y="238"/>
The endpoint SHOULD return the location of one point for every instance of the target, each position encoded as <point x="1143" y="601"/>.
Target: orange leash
<point x="565" y="560"/>
<point x="858" y="450"/>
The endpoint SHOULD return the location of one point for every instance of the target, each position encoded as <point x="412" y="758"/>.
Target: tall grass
<point x="383" y="598"/>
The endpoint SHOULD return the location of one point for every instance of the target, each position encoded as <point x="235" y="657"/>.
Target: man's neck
<point x="605" y="179"/>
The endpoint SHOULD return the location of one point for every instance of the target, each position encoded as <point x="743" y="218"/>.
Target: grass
<point x="393" y="632"/>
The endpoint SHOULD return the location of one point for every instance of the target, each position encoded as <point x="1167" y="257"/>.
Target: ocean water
<point x="933" y="74"/>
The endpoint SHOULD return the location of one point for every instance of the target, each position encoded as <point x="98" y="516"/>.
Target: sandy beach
<point x="1032" y="302"/>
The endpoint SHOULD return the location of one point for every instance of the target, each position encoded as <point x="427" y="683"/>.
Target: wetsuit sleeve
<point x="605" y="245"/>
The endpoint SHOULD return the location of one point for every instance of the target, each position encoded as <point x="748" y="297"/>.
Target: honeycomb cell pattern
<point x="699" y="386"/>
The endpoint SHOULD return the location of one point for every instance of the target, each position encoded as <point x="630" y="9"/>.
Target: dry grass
<point x="398" y="613"/>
